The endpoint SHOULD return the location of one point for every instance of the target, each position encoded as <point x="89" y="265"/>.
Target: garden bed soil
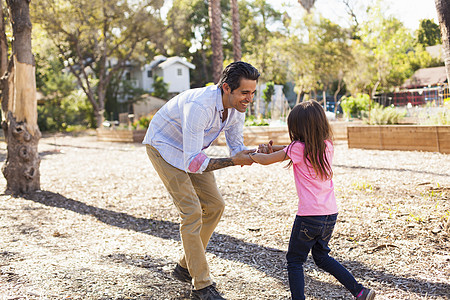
<point x="104" y="227"/>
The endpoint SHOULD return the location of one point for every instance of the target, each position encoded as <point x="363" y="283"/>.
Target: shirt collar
<point x="219" y="102"/>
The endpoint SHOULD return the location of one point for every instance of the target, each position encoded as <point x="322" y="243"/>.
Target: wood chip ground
<point x="104" y="227"/>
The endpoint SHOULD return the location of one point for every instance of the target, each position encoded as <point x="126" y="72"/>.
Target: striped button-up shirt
<point x="189" y="123"/>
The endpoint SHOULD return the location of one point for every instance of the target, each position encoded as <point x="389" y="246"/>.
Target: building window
<point x="149" y="74"/>
<point x="128" y="76"/>
<point x="179" y="72"/>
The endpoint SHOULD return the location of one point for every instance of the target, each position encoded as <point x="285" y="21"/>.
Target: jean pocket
<point x="309" y="232"/>
<point x="327" y="232"/>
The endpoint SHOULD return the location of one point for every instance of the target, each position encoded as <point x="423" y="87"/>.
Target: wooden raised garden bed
<point x="253" y="135"/>
<point x="124" y="136"/>
<point x="400" y="137"/>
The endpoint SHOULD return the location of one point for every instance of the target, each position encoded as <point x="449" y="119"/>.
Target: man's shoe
<point x="366" y="294"/>
<point x="208" y="293"/>
<point x="181" y="274"/>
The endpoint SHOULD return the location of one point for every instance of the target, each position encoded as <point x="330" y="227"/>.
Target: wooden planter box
<point x="255" y="135"/>
<point x="124" y="136"/>
<point x="400" y="137"/>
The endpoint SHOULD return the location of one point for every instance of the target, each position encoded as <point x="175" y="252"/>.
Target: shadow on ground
<point x="265" y="259"/>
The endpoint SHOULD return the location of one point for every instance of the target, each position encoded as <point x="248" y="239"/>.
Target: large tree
<point x="215" y="19"/>
<point x="18" y="84"/>
<point x="188" y="35"/>
<point x="443" y="11"/>
<point x="97" y="39"/>
<point x="428" y="33"/>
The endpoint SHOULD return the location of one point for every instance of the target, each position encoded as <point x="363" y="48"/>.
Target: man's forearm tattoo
<point x="219" y="163"/>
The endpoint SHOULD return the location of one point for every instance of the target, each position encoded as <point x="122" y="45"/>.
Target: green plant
<point x="254" y="121"/>
<point x="380" y="115"/>
<point x="268" y="92"/>
<point x="161" y="88"/>
<point x="61" y="114"/>
<point x="142" y="123"/>
<point x="354" y="106"/>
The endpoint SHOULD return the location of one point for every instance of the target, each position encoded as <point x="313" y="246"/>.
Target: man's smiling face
<point x="241" y="97"/>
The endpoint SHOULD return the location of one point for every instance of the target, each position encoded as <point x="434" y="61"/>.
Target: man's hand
<point x="266" y="148"/>
<point x="242" y="158"/>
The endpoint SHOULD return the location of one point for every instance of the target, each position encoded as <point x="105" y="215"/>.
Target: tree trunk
<point x="336" y="93"/>
<point x="443" y="12"/>
<point x="237" y="53"/>
<point x="215" y="19"/>
<point x="21" y="168"/>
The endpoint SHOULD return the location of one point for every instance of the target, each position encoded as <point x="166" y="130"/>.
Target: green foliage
<point x="428" y="33"/>
<point x="261" y="43"/>
<point x="380" y="115"/>
<point x="384" y="55"/>
<point x="268" y="92"/>
<point x="96" y="39"/>
<point x="354" y="106"/>
<point x="142" y="123"/>
<point x="66" y="114"/>
<point x="254" y="121"/>
<point x="161" y="89"/>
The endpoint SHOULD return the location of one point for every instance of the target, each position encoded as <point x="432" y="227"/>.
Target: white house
<point x="174" y="71"/>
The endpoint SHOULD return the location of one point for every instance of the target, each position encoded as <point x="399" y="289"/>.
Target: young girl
<point x="311" y="154"/>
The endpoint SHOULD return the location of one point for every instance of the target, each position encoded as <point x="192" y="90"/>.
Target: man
<point x="176" y="138"/>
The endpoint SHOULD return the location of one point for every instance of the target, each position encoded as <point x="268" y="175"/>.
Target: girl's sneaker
<point x="366" y="294"/>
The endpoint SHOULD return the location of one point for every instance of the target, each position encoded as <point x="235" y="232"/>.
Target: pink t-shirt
<point x="316" y="196"/>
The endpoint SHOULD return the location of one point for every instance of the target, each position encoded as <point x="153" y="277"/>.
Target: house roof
<point x="175" y="59"/>
<point x="164" y="62"/>
<point x="426" y="77"/>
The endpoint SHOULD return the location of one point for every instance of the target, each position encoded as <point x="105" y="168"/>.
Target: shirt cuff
<point x="199" y="163"/>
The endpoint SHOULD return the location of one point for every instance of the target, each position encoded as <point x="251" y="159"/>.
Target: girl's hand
<point x="266" y="148"/>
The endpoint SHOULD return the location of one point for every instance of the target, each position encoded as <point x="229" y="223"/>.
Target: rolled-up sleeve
<point x="234" y="135"/>
<point x="194" y="121"/>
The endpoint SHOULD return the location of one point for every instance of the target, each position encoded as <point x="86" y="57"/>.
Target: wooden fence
<point x="400" y="137"/>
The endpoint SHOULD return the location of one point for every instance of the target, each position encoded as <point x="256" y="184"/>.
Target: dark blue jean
<point x="312" y="233"/>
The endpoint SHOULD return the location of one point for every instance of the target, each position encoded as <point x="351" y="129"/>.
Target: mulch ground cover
<point x="104" y="227"/>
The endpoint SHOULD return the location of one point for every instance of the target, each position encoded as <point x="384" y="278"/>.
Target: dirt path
<point x="103" y="227"/>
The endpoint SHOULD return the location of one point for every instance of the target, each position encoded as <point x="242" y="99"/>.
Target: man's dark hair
<point x="234" y="72"/>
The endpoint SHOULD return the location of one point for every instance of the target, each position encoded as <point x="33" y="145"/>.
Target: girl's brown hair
<point x="308" y="124"/>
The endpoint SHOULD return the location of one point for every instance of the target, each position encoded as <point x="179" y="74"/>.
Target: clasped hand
<point x="266" y="148"/>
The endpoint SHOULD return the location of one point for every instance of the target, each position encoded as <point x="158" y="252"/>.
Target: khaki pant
<point x="200" y="205"/>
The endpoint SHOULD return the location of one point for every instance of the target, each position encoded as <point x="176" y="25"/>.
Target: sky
<point x="410" y="12"/>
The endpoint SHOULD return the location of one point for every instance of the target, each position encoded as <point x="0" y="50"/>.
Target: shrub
<point x="142" y="123"/>
<point x="161" y="88"/>
<point x="380" y="115"/>
<point x="61" y="114"/>
<point x="353" y="107"/>
<point x="253" y="121"/>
